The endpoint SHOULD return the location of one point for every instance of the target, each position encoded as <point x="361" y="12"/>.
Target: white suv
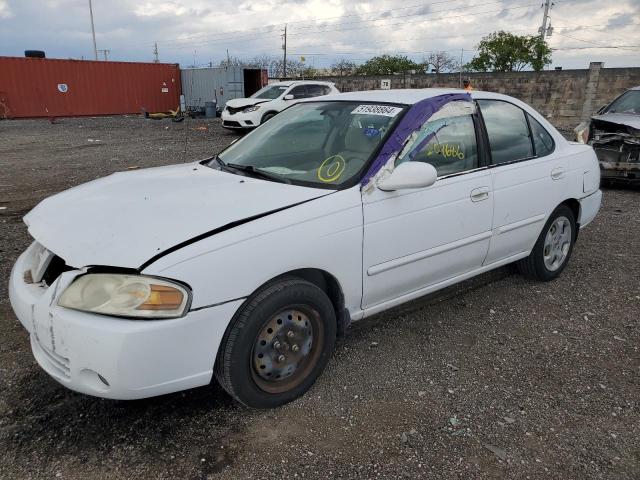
<point x="247" y="113"/>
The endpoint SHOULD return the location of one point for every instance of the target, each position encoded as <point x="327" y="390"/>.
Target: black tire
<point x="235" y="366"/>
<point x="534" y="266"/>
<point x="267" y="116"/>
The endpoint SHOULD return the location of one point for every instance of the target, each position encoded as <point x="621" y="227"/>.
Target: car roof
<point x="407" y="96"/>
<point x="288" y="83"/>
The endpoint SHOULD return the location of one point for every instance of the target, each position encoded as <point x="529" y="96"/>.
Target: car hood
<point x="627" y="119"/>
<point x="245" y="102"/>
<point x="126" y="218"/>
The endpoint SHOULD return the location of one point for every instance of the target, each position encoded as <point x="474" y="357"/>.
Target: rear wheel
<point x="553" y="248"/>
<point x="278" y="344"/>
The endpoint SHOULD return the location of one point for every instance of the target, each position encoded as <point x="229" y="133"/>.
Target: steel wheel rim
<point x="287" y="348"/>
<point x="557" y="243"/>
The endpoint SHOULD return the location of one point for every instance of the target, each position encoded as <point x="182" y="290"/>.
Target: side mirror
<point x="409" y="175"/>
<point x="288" y="97"/>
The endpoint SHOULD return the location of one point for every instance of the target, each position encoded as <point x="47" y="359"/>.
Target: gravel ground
<point x="498" y="377"/>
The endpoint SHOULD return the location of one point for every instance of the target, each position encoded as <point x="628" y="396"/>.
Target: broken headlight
<point x="582" y="132"/>
<point x="252" y="108"/>
<point x="126" y="296"/>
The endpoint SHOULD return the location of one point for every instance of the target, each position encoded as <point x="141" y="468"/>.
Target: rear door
<point x="529" y="177"/>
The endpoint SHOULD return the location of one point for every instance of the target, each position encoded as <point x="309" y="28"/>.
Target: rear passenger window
<point x="542" y="141"/>
<point x="507" y="130"/>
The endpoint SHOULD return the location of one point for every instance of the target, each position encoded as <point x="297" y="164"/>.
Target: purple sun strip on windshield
<point x="419" y="113"/>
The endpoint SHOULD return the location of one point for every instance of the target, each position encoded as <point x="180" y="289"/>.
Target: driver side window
<point x="448" y="143"/>
<point x="299" y="92"/>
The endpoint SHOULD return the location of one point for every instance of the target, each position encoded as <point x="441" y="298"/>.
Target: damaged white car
<point x="248" y="113"/>
<point x="614" y="133"/>
<point x="246" y="266"/>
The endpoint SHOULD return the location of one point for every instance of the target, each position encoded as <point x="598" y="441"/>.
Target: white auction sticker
<point x="385" y="110"/>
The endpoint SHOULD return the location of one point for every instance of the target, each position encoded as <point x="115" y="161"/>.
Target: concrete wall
<point x="565" y="97"/>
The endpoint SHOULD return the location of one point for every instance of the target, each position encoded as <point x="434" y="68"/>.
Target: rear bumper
<point x="113" y="357"/>
<point x="589" y="207"/>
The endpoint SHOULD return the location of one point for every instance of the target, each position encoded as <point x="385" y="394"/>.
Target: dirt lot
<point x="496" y="378"/>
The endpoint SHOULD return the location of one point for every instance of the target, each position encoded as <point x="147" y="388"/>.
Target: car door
<point x="528" y="177"/>
<point x="417" y="238"/>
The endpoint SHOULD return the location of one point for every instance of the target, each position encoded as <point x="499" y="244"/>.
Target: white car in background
<point x="246" y="266"/>
<point x="248" y="113"/>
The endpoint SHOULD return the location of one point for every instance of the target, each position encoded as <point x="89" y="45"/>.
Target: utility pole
<point x="461" y="54"/>
<point x="93" y="32"/>
<point x="544" y="30"/>
<point x="105" y="52"/>
<point x="284" y="47"/>
<point x="155" y="53"/>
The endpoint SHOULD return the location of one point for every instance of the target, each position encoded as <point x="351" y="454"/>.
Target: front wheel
<point x="278" y="344"/>
<point x="553" y="248"/>
<point x="267" y="116"/>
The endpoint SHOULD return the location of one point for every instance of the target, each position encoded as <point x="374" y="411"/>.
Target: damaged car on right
<point x="614" y="133"/>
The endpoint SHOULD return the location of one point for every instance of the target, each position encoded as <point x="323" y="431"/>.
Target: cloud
<point x="201" y="31"/>
<point x="5" y="10"/>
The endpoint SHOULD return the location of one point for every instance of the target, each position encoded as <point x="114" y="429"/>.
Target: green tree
<point x="506" y="52"/>
<point x="388" y="64"/>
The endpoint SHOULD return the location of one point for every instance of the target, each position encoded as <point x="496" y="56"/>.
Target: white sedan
<point x="246" y="266"/>
<point x="248" y="113"/>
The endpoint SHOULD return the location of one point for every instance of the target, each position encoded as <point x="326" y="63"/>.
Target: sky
<point x="196" y="32"/>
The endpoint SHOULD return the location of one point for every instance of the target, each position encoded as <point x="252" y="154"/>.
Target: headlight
<point x="253" y="108"/>
<point x="582" y="132"/>
<point x="126" y="296"/>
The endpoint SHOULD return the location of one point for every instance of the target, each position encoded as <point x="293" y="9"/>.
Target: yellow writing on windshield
<point x="331" y="169"/>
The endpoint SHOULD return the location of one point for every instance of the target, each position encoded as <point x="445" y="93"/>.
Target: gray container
<point x="210" y="109"/>
<point x="200" y="85"/>
<point x="219" y="84"/>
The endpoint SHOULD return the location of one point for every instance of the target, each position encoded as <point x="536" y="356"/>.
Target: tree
<point x="232" y="62"/>
<point x="505" y="52"/>
<point x="261" y="61"/>
<point x="343" y="68"/>
<point x="388" y="64"/>
<point x="440" y="62"/>
<point x="294" y="68"/>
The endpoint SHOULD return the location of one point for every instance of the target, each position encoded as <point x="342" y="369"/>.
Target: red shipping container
<point x="36" y="87"/>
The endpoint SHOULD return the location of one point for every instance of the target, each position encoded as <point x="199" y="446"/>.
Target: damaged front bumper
<point x="114" y="357"/>
<point x="618" y="151"/>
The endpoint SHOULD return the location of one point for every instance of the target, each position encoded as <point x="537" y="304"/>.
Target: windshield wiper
<point x="256" y="172"/>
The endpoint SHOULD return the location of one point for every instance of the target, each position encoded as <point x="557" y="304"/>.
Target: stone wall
<point x="565" y="97"/>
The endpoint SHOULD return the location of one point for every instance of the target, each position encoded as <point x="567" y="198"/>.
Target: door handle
<point x="479" y="194"/>
<point x="557" y="173"/>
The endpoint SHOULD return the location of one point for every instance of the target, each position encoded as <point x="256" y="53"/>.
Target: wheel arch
<point x="326" y="282"/>
<point x="269" y="112"/>
<point x="574" y="205"/>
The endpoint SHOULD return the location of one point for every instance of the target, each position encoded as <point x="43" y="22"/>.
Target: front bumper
<point x="113" y="357"/>
<point x="624" y="171"/>
<point x="241" y="120"/>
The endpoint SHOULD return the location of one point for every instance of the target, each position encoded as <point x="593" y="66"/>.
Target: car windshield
<point x="315" y="144"/>
<point x="270" y="92"/>
<point x="628" y="102"/>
